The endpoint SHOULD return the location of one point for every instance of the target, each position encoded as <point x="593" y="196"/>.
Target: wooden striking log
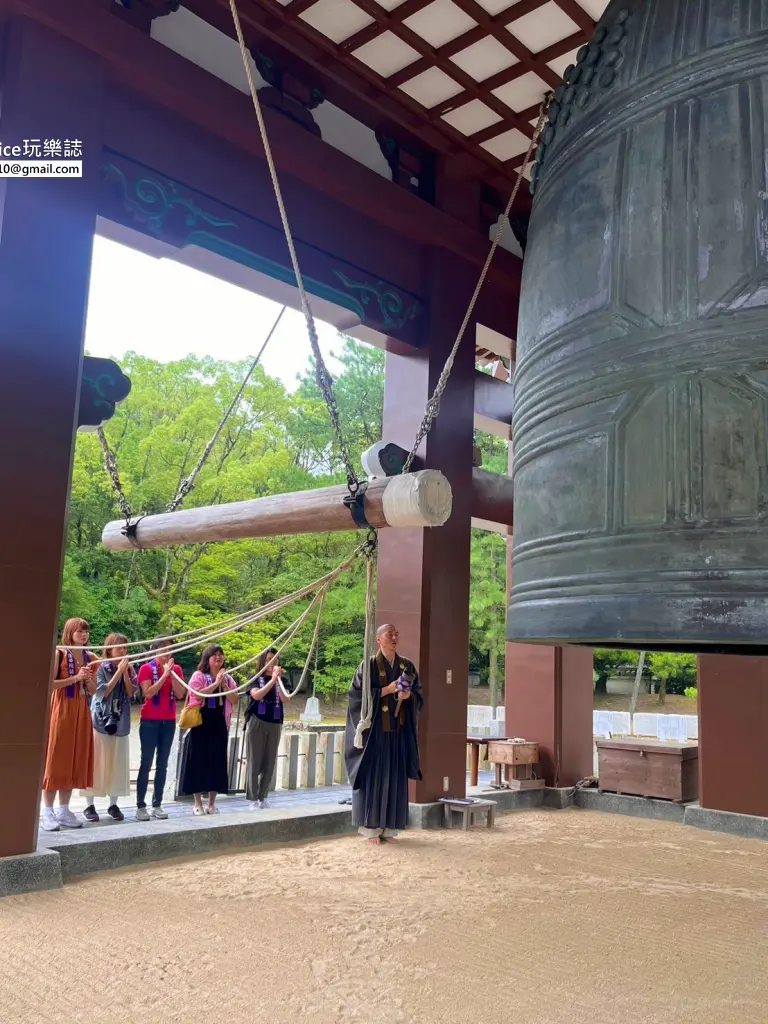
<point x="413" y="499"/>
<point x="492" y="495"/>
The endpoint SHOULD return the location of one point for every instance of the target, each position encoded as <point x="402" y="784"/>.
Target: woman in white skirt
<point x="111" y="715"/>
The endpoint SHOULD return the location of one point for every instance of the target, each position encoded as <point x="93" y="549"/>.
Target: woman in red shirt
<point x="161" y="682"/>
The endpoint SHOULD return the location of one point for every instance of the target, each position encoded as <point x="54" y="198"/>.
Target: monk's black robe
<point x="379" y="773"/>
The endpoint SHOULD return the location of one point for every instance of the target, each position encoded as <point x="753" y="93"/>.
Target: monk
<point x="379" y="772"/>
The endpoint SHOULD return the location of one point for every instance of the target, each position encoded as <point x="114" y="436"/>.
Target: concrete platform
<point x="30" y="872"/>
<point x="747" y="826"/>
<point x="89" y="850"/>
<point x="634" y="806"/>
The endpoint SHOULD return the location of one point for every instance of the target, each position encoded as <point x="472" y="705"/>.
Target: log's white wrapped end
<point x="417" y="499"/>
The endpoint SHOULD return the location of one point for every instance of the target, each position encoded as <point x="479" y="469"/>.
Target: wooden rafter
<point x="373" y="96"/>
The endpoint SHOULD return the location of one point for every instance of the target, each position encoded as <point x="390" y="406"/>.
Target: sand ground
<point x="555" y="917"/>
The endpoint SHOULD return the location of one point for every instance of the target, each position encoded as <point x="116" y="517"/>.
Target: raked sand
<point x="555" y="917"/>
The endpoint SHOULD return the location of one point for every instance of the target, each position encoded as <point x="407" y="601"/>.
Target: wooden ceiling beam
<point x="471" y="88"/>
<point x="372" y="96"/>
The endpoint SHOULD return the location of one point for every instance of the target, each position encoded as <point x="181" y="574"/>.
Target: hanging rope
<point x="323" y="377"/>
<point x="433" y="404"/>
<point x="188" y="483"/>
<point x="366" y="708"/>
<point x="312" y="647"/>
<point x="281" y="643"/>
<point x="238" y="622"/>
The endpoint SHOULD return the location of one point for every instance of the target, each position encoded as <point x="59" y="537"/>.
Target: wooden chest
<point x="667" y="771"/>
<point x="518" y="759"/>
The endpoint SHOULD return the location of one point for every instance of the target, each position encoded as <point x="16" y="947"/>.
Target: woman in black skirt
<point x="204" y="760"/>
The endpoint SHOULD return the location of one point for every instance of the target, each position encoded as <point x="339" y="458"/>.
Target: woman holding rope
<point x="111" y="715"/>
<point x="69" y="757"/>
<point x="162" y="685"/>
<point x="263" y="726"/>
<point x="204" y="760"/>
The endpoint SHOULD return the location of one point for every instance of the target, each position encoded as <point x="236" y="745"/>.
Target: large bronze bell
<point x="640" y="432"/>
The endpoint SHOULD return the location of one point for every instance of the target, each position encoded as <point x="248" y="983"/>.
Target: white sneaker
<point x="142" y="814"/>
<point x="264" y="805"/>
<point x="67" y="819"/>
<point x="254" y="805"/>
<point x="48" y="822"/>
<point x="159" y="812"/>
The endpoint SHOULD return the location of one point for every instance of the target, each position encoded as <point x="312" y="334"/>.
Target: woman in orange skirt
<point x="69" y="760"/>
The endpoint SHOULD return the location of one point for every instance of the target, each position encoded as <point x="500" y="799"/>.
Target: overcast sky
<point x="165" y="310"/>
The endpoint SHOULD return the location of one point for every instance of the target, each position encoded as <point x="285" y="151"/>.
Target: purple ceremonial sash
<point x="72" y="670"/>
<point x="157" y="697"/>
<point x="211" y="701"/>
<point x="262" y="707"/>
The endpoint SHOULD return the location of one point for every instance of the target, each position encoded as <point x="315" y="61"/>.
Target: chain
<point x="323" y="377"/>
<point x="110" y="464"/>
<point x="432" y="407"/>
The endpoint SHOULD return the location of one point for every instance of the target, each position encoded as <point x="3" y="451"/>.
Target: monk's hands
<point x="387" y="690"/>
<point x="404" y="694"/>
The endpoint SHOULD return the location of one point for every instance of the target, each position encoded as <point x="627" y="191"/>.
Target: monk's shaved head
<point x="386" y="628"/>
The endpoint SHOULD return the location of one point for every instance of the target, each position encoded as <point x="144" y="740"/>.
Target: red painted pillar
<point x="733" y="733"/>
<point x="549" y="700"/>
<point x="51" y="90"/>
<point x="424" y="574"/>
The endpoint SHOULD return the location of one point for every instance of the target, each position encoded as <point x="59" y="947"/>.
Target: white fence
<point x="680" y="728"/>
<point x="484" y="721"/>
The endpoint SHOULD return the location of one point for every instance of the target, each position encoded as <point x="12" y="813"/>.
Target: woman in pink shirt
<point x="204" y="758"/>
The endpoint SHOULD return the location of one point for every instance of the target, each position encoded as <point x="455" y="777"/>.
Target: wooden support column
<point x="51" y="90"/>
<point x="424" y="573"/>
<point x="733" y="726"/>
<point x="549" y="700"/>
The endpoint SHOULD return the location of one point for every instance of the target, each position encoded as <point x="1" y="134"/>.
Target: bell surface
<point x="641" y="410"/>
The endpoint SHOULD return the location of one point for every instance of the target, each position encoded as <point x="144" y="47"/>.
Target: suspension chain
<point x="110" y="464"/>
<point x="432" y="407"/>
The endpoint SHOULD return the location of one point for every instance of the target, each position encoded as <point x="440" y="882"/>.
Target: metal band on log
<point x="413" y="499"/>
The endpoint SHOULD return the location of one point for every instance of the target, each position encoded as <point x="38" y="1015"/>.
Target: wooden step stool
<point x="468" y="811"/>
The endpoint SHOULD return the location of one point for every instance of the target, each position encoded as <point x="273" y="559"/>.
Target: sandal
<point x="198" y="812"/>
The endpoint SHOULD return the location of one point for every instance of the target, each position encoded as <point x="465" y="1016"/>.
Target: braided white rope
<point x="281" y="643"/>
<point x="251" y="617"/>
<point x="366" y="708"/>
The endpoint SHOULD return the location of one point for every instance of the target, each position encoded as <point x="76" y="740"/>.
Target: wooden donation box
<point x="517" y="758"/>
<point x="668" y="771"/>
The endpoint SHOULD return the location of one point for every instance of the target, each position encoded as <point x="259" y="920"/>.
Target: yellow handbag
<point x="191" y="715"/>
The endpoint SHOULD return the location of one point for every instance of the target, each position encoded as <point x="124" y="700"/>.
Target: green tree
<point x="676" y="672"/>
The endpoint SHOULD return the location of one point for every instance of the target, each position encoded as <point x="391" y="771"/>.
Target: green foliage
<point x="691" y="692"/>
<point x="678" y="669"/>
<point x="275" y="442"/>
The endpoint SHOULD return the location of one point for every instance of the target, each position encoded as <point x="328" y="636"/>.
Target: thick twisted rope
<point x="324" y="379"/>
<point x="433" y="404"/>
<point x="366" y="707"/>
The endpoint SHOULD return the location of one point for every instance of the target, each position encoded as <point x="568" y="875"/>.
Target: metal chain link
<point x="110" y="464"/>
<point x="432" y="407"/>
